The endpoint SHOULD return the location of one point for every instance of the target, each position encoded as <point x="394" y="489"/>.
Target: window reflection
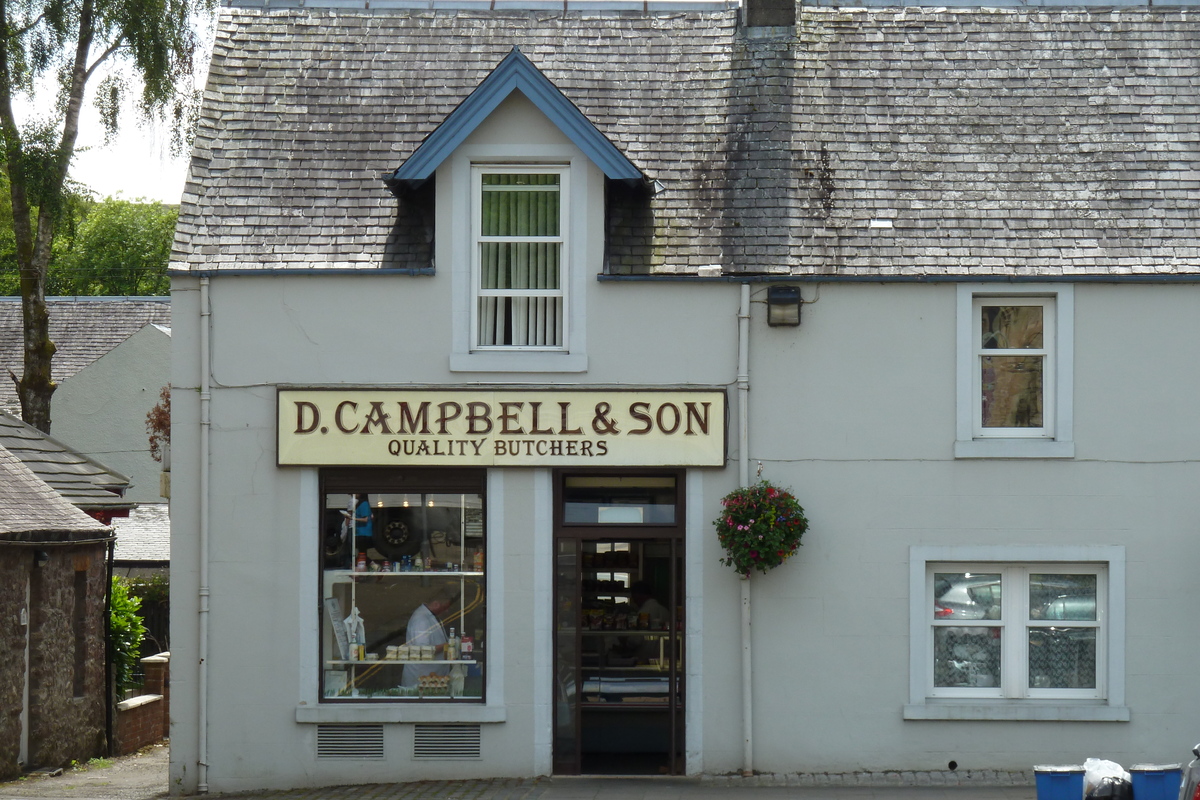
<point x="403" y="596"/>
<point x="625" y="500"/>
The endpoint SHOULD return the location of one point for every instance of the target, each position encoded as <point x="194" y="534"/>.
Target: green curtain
<point x="520" y="206"/>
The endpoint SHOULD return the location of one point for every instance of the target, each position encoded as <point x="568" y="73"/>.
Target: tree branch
<point x="17" y="33"/>
<point x="13" y="153"/>
<point x="114" y="47"/>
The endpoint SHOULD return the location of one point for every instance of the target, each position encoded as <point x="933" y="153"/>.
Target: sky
<point x="138" y="163"/>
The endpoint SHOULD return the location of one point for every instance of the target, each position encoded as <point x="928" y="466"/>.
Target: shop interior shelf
<point x="349" y="573"/>
<point x="397" y="662"/>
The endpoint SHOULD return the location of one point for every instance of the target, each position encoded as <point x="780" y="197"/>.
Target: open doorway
<point x="618" y="634"/>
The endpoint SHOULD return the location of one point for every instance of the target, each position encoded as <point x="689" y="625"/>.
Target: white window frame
<point x="1055" y="438"/>
<point x="1014" y="623"/>
<point x="585" y="229"/>
<point x="1014" y="699"/>
<point x="562" y="239"/>
<point x="310" y="710"/>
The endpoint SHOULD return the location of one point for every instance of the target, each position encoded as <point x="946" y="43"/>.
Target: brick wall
<point x="143" y="720"/>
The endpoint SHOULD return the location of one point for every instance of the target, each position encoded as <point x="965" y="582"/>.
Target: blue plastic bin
<point x="1156" y="781"/>
<point x="1059" y="783"/>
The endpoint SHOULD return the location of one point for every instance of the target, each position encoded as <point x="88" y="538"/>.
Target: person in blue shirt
<point x="364" y="529"/>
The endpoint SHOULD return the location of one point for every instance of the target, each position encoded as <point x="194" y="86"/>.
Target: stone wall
<point x="64" y="609"/>
<point x="67" y="657"/>
<point x="15" y="563"/>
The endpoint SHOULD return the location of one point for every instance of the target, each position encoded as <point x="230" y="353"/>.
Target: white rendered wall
<point x="854" y="410"/>
<point x="101" y="410"/>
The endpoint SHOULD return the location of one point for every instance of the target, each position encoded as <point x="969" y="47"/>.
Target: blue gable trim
<point x="515" y="73"/>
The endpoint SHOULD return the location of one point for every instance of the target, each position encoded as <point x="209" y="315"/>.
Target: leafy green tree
<point x="9" y="283"/>
<point x="120" y="248"/>
<point x="107" y="247"/>
<point x="78" y="200"/>
<point x="70" y="41"/>
<point x="125" y="633"/>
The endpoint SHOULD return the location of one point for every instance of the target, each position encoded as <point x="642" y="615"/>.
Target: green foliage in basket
<point x="760" y="527"/>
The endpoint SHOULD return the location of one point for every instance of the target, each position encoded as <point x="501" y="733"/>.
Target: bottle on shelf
<point x="361" y="564"/>
<point x="452" y="646"/>
<point x="477" y="560"/>
<point x="418" y="564"/>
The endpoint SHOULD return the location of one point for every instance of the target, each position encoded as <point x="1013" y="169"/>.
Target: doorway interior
<point x="619" y="589"/>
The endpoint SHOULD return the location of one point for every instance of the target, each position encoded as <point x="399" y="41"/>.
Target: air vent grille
<point x="350" y="741"/>
<point x="446" y="741"/>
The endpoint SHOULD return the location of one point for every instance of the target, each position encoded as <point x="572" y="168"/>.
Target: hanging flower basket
<point x="760" y="527"/>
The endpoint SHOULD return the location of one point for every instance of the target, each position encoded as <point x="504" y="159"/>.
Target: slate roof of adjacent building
<point x="82" y="328"/>
<point x="32" y="511"/>
<point x="82" y="481"/>
<point x="144" y="537"/>
<point x="864" y="142"/>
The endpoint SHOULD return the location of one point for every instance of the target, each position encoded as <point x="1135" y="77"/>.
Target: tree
<point x="106" y="247"/>
<point x="119" y="248"/>
<point x="71" y="40"/>
<point x="158" y="425"/>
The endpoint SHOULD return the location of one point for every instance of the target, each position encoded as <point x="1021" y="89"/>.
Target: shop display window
<point x="403" y="587"/>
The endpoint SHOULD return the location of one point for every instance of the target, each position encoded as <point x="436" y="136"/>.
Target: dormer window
<point x="519" y="220"/>
<point x="520" y="209"/>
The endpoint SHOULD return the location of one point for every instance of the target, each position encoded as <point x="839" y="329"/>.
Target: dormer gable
<point x="515" y="72"/>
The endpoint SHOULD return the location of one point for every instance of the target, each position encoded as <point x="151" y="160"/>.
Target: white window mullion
<point x="560" y="259"/>
<point x="1014" y="641"/>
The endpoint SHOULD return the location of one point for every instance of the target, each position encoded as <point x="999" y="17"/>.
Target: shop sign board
<point x="509" y="427"/>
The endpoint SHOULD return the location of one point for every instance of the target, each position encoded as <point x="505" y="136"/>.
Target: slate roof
<point x="82" y="481"/>
<point x="31" y="511"/>
<point x="865" y="143"/>
<point x="144" y="537"/>
<point x="82" y="328"/>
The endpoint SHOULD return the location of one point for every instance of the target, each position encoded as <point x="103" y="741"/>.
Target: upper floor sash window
<point x="520" y="250"/>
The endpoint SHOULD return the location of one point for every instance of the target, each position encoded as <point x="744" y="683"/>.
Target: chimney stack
<point x="769" y="13"/>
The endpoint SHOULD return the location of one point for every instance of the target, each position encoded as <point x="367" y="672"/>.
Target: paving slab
<point x="144" y="776"/>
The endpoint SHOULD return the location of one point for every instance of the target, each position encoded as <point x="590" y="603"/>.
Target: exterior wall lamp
<point x="40" y="558"/>
<point x="783" y="306"/>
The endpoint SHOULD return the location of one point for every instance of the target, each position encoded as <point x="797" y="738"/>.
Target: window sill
<point x="518" y="362"/>
<point x="1013" y="448"/>
<point x="398" y="712"/>
<point x="1020" y="710"/>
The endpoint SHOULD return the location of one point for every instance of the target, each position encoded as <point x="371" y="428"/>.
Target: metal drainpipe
<point x="108" y="648"/>
<point x="205" y="429"/>
<point x="743" y="385"/>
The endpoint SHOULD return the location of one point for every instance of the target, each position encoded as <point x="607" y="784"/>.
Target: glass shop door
<point x="619" y="628"/>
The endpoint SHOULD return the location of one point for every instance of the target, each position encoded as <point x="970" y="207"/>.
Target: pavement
<point x="139" y="776"/>
<point x="143" y="776"/>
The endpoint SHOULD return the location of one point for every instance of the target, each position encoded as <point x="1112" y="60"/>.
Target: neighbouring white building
<point x="113" y="359"/>
<point x="471" y="335"/>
